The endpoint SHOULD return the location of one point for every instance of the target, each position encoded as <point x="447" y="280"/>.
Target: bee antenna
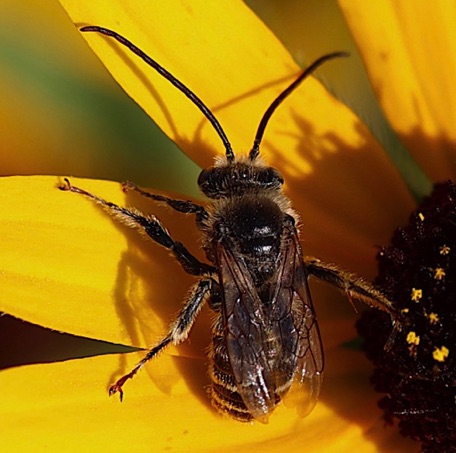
<point x="278" y="100"/>
<point x="168" y="76"/>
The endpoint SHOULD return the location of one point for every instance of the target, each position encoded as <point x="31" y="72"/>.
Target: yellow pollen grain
<point x="440" y="354"/>
<point x="439" y="273"/>
<point x="433" y="318"/>
<point x="444" y="250"/>
<point x="413" y="338"/>
<point x="421" y="216"/>
<point x="417" y="294"/>
<point x="405" y="310"/>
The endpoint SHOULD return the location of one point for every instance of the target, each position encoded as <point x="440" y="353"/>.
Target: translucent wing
<point x="246" y="336"/>
<point x="275" y="342"/>
<point x="306" y="353"/>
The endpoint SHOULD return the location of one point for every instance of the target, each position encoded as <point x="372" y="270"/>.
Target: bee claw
<point x="66" y="185"/>
<point x="114" y="388"/>
<point x="127" y="186"/>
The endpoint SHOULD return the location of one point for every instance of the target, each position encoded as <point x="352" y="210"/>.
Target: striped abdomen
<point x="224" y="395"/>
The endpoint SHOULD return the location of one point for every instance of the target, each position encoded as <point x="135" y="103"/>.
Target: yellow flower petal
<point x="68" y="266"/>
<point x="409" y="49"/>
<point x="65" y="407"/>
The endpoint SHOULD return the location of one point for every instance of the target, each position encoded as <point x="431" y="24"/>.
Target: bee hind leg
<point x="177" y="332"/>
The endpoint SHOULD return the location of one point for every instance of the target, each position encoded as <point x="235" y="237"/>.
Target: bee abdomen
<point x="224" y="395"/>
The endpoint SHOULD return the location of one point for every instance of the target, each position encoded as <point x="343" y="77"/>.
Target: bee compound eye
<point x="211" y="182"/>
<point x="202" y="177"/>
<point x="271" y="177"/>
<point x="205" y="177"/>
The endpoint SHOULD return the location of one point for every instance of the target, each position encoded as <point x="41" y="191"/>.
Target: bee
<point x="265" y="336"/>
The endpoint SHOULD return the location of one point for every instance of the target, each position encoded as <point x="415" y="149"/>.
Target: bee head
<point x="226" y="178"/>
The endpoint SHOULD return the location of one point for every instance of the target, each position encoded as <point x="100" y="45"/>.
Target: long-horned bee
<point x="265" y="336"/>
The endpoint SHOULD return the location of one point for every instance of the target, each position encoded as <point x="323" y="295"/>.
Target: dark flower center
<point x="418" y="375"/>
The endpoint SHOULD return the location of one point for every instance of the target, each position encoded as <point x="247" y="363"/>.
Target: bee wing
<point x="302" y="354"/>
<point x="244" y="321"/>
<point x="271" y="346"/>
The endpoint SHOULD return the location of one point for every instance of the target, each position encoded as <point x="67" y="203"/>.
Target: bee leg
<point x="353" y="286"/>
<point x="177" y="333"/>
<point x="357" y="288"/>
<point x="184" y="206"/>
<point x="152" y="228"/>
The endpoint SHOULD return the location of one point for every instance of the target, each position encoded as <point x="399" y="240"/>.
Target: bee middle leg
<point x="357" y="288"/>
<point x="152" y="228"/>
<point x="353" y="286"/>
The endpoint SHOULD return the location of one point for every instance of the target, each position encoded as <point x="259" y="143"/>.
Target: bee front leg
<point x="151" y="227"/>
